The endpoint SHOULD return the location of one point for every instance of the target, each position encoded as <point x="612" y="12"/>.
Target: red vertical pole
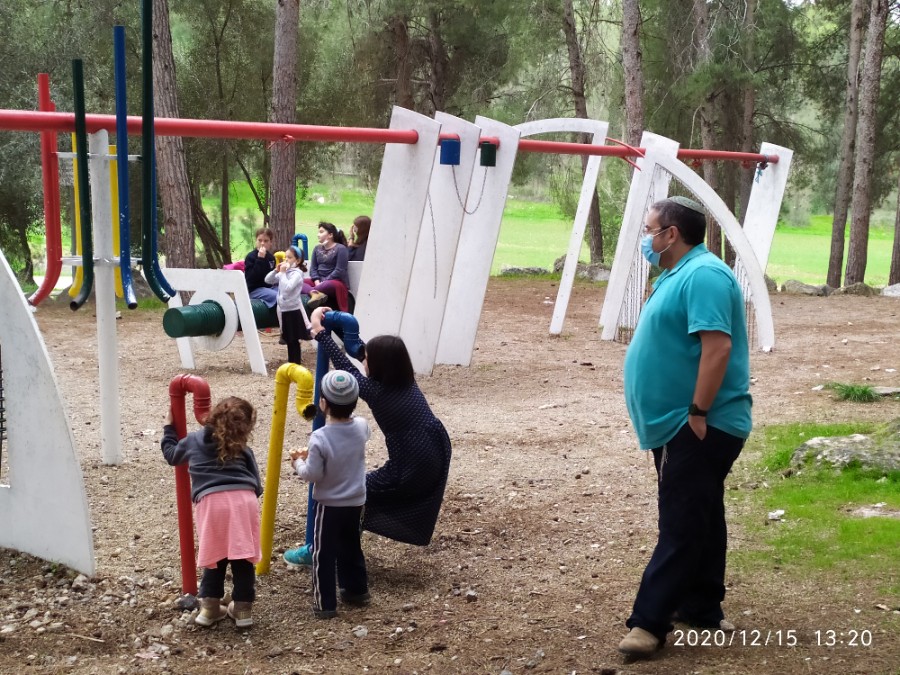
<point x="50" y="179"/>
<point x="178" y="387"/>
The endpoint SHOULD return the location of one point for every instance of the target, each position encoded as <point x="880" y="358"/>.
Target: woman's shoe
<point x="211" y="612"/>
<point x="316" y="300"/>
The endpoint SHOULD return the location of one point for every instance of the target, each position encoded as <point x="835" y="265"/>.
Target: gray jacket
<point x="207" y="473"/>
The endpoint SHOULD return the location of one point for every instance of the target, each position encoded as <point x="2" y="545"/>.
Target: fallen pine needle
<point x="85" y="637"/>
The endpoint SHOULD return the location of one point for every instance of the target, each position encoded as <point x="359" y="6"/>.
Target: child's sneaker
<point x="355" y="599"/>
<point x="211" y="612"/>
<point x="298" y="557"/>
<point x="324" y="613"/>
<point x="241" y="612"/>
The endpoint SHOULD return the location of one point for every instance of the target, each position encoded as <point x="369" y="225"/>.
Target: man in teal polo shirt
<point x="687" y="380"/>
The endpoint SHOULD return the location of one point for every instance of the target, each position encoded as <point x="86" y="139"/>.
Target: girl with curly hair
<point x="225" y="489"/>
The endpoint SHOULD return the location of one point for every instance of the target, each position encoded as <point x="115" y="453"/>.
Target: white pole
<point x="105" y="262"/>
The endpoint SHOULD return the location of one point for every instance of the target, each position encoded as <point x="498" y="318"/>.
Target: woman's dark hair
<point x="690" y="223"/>
<point x="232" y="421"/>
<point x="362" y="223"/>
<point x="388" y="361"/>
<point x="339" y="237"/>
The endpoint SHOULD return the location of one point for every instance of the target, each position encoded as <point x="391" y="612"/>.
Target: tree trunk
<point x="171" y="166"/>
<point x="866" y="133"/>
<point x="576" y="70"/>
<point x="707" y="118"/>
<point x="894" y="277"/>
<point x="439" y="62"/>
<point x="213" y="250"/>
<point x="748" y="169"/>
<point x="26" y="274"/>
<point x="634" y="78"/>
<point x="848" y="145"/>
<point x="218" y="36"/>
<point x="283" y="181"/>
<point x="403" y="96"/>
<point x="260" y="201"/>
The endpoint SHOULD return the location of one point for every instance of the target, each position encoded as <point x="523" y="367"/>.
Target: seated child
<point x="258" y="263"/>
<point x="335" y="463"/>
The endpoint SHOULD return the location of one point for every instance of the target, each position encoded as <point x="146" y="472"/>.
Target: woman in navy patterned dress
<point x="404" y="496"/>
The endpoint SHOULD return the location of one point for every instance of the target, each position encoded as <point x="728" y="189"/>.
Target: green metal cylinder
<point x="263" y="315"/>
<point x="207" y="318"/>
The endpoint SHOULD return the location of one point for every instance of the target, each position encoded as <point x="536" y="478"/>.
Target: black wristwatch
<point x="695" y="411"/>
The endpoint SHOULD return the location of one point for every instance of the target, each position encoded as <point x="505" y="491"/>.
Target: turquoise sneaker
<point x="298" y="557"/>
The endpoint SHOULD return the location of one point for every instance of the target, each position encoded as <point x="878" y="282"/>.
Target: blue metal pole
<point x="122" y="168"/>
<point x="300" y="237"/>
<point x="318" y="423"/>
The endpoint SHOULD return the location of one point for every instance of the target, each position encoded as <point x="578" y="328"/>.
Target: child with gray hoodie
<point x="335" y="463"/>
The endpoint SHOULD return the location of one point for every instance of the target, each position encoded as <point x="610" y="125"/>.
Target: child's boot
<point x="242" y="613"/>
<point x="211" y="612"/>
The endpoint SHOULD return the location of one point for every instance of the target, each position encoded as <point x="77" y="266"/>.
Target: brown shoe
<point x="241" y="612"/>
<point x="211" y="612"/>
<point x="639" y="642"/>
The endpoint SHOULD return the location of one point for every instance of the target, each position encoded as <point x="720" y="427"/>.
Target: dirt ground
<point x="548" y="521"/>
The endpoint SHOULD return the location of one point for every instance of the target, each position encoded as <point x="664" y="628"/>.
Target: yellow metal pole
<point x="77" y="279"/>
<point x="287" y="373"/>
<point x="114" y="184"/>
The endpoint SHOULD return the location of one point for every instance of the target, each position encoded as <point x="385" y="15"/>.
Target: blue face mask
<point x="649" y="254"/>
<point x="647" y="251"/>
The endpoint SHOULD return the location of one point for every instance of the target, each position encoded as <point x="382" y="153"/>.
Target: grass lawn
<point x="534" y="234"/>
<point x="819" y="531"/>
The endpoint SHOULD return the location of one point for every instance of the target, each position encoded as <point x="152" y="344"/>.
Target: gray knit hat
<point x="339" y="388"/>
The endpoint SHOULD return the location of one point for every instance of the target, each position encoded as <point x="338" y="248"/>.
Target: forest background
<point x="819" y="77"/>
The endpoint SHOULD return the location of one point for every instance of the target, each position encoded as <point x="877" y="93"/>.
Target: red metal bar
<point x="178" y="387"/>
<point x="30" y="120"/>
<point x="53" y="235"/>
<point x="688" y="153"/>
<point x="560" y="148"/>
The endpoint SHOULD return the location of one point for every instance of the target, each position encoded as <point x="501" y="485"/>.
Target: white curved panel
<point x="765" y="201"/>
<point x="644" y="190"/>
<point x="598" y="131"/>
<point x="44" y="509"/>
<point x="477" y="243"/>
<point x="396" y="221"/>
<point x="429" y="285"/>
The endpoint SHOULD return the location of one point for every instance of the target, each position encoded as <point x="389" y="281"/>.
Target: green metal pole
<point x="84" y="187"/>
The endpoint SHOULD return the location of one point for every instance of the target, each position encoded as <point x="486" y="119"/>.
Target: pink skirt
<point x="228" y="527"/>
